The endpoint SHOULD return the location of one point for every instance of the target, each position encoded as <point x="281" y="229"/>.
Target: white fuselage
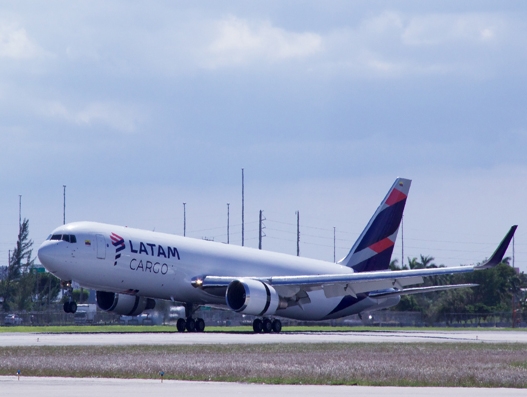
<point x="162" y="266"/>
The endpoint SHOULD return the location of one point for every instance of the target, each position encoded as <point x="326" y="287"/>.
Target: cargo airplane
<point x="131" y="268"/>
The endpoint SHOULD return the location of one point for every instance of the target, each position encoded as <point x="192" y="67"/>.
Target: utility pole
<point x="184" y="219"/>
<point x="228" y="222"/>
<point x="297" y="233"/>
<point x="514" y="291"/>
<point x="243" y="210"/>
<point x="260" y="230"/>
<point x="402" y="241"/>
<point x="19" y="213"/>
<point x="64" y="206"/>
<point x="513" y="252"/>
<point x="334" y="246"/>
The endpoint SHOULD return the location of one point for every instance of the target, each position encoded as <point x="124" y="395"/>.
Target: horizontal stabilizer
<point x="419" y="290"/>
<point x="498" y="255"/>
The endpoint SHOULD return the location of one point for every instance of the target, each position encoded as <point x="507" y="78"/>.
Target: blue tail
<point x="373" y="249"/>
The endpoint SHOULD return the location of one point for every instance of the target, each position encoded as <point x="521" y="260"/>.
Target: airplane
<point x="131" y="268"/>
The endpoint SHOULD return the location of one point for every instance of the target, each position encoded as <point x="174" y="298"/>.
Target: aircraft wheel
<point x="277" y="325"/>
<point x="257" y="326"/>
<point x="267" y="325"/>
<point x="191" y="325"/>
<point x="181" y="325"/>
<point x="200" y="325"/>
<point x="70" y="307"/>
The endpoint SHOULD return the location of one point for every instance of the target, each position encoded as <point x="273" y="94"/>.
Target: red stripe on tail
<point x="395" y="196"/>
<point x="381" y="245"/>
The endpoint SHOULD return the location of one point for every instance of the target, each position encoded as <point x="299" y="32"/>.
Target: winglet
<point x="498" y="255"/>
<point x="373" y="249"/>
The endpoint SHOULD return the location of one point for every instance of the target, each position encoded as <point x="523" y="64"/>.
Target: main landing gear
<point x="190" y="324"/>
<point x="267" y="325"/>
<point x="70" y="306"/>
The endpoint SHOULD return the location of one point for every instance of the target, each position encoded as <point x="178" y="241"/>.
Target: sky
<point x="139" y="107"/>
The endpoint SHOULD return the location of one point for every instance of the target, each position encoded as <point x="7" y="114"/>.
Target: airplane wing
<point x="373" y="282"/>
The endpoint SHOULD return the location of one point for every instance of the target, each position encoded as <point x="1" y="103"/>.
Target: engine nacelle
<point x="126" y="305"/>
<point x="250" y="296"/>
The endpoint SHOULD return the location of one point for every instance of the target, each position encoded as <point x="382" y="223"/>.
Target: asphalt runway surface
<point x="104" y="339"/>
<point x="89" y="387"/>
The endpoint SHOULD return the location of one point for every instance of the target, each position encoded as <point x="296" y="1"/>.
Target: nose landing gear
<point x="70" y="306"/>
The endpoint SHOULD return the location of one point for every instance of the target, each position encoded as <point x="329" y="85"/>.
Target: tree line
<point x="499" y="290"/>
<point x="21" y="287"/>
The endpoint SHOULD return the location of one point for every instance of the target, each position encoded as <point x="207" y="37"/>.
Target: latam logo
<point x="118" y="243"/>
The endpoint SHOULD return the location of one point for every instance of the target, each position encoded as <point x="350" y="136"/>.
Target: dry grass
<point x="469" y="365"/>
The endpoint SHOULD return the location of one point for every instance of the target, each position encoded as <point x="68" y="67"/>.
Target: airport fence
<point x="215" y="317"/>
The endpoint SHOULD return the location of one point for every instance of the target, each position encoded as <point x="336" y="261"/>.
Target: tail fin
<point x="373" y="249"/>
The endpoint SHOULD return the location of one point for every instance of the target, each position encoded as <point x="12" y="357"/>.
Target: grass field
<point x="386" y="364"/>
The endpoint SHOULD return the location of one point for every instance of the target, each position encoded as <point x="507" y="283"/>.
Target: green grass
<point x="236" y="329"/>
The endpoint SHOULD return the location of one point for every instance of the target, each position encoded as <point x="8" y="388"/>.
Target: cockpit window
<point x="70" y="238"/>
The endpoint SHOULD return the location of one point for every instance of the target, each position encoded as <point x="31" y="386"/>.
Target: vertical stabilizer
<point x="373" y="249"/>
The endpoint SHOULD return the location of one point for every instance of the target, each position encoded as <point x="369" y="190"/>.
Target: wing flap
<point x="420" y="290"/>
<point x="354" y="288"/>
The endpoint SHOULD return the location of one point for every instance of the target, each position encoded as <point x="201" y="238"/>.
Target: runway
<point x="80" y="387"/>
<point x="88" y="387"/>
<point x="104" y="339"/>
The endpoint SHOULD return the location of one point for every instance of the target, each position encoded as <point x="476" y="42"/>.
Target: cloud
<point x="16" y="44"/>
<point x="117" y="116"/>
<point x="396" y="44"/>
<point x="241" y="42"/>
<point x="442" y="29"/>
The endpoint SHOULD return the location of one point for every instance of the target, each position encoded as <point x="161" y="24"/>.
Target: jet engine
<point x="126" y="305"/>
<point x="251" y="296"/>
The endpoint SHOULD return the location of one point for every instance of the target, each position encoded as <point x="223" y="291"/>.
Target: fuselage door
<point x="101" y="247"/>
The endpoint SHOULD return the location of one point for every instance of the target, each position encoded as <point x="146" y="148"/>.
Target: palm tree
<point x="427" y="262"/>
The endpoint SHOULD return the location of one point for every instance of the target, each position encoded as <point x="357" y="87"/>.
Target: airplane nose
<point x="46" y="253"/>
